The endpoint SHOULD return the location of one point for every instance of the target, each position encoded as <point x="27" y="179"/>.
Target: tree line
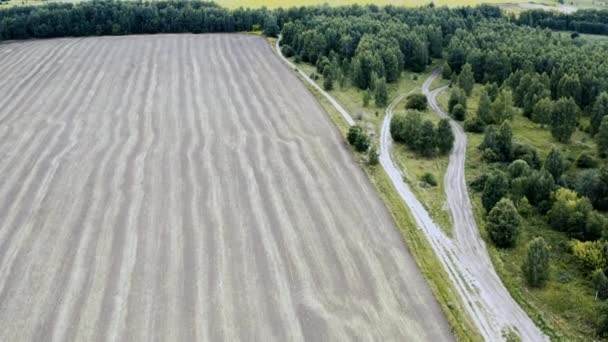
<point x="583" y="21"/>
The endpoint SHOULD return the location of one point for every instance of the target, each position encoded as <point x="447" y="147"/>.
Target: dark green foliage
<point x="425" y="143"/>
<point x="406" y="128"/>
<point x="271" y="28"/>
<point x="583" y="21"/>
<point x="457" y="96"/>
<point x="563" y="119"/>
<point x="536" y="264"/>
<point x="495" y="188"/>
<point x="586" y="161"/>
<point x="373" y="157"/>
<point x="358" y="138"/>
<point x="542" y="111"/>
<point x="416" y="101"/>
<point x="600" y="283"/>
<point x="555" y="163"/>
<point x="498" y="142"/>
<point x="528" y="154"/>
<point x="380" y="93"/>
<point x="602" y="320"/>
<point x="518" y="168"/>
<point x="539" y="185"/>
<point x="502" y="108"/>
<point x="429" y="179"/>
<point x="466" y="80"/>
<point x="569" y="86"/>
<point x="602" y="137"/>
<point x="484" y="111"/>
<point x="446" y="72"/>
<point x="444" y="136"/>
<point x="600" y="109"/>
<point x="531" y="88"/>
<point x="328" y="78"/>
<point x="459" y="112"/>
<point x="474" y="125"/>
<point x="503" y="223"/>
<point x="571" y="214"/>
<point x="593" y="184"/>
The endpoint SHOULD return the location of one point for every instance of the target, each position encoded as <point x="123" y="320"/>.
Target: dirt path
<point x="188" y="188"/>
<point x="465" y="258"/>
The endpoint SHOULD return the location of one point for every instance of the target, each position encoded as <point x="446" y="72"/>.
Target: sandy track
<point x="188" y="187"/>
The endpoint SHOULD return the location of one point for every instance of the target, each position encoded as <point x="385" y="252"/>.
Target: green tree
<point x="466" y="80"/>
<point x="569" y="86"/>
<point x="502" y="108"/>
<point x="518" y="168"/>
<point x="373" y="157"/>
<point x="599" y="110"/>
<point x="563" y="119"/>
<point x="600" y="283"/>
<point x="457" y="96"/>
<point x="406" y="128"/>
<point x="495" y="188"/>
<point x="358" y="138"/>
<point x="445" y="136"/>
<point x="271" y="28"/>
<point x="328" y="78"/>
<point x="484" y="111"/>
<point x="380" y="93"/>
<point x="367" y="96"/>
<point x="459" y="112"/>
<point x="426" y="143"/>
<point x="555" y="163"/>
<point x="536" y="264"/>
<point x="602" y="137"/>
<point x="416" y="101"/>
<point x="570" y="213"/>
<point x="542" y="111"/>
<point x="503" y="223"/>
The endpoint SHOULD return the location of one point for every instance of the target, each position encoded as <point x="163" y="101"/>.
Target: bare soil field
<point x="188" y="187"/>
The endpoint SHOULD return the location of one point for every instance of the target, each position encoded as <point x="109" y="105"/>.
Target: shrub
<point x="429" y="179"/>
<point x="528" y="154"/>
<point x="518" y="168"/>
<point x="358" y="138"/>
<point x="600" y="283"/>
<point x="416" y="101"/>
<point x="586" y="161"/>
<point x="373" y="158"/>
<point x="474" y="125"/>
<point x="536" y="264"/>
<point x="495" y="188"/>
<point x="459" y="112"/>
<point x="503" y="223"/>
<point x="590" y="254"/>
<point x="287" y="50"/>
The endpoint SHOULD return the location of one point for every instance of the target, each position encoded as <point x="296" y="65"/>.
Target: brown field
<point x="188" y="187"/>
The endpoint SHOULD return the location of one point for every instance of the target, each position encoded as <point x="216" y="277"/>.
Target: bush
<point x="474" y="125"/>
<point x="495" y="188"/>
<point x="528" y="154"/>
<point x="503" y="224"/>
<point x="429" y="179"/>
<point x="358" y="138"/>
<point x="287" y="50"/>
<point x="590" y="254"/>
<point x="416" y="101"/>
<point x="373" y="158"/>
<point x="459" y="112"/>
<point x="586" y="161"/>
<point x="536" y="265"/>
<point x="518" y="168"/>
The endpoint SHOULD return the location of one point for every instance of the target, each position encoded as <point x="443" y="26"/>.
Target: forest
<point x="582" y="21"/>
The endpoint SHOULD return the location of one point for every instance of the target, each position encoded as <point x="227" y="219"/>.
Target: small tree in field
<point x="503" y="223"/>
<point x="554" y="163"/>
<point x="416" y="101"/>
<point x="536" y="264"/>
<point x="358" y="138"/>
<point x="445" y="137"/>
<point x="459" y="112"/>
<point x="380" y="93"/>
<point x="466" y="80"/>
<point x="367" y="96"/>
<point x="373" y="157"/>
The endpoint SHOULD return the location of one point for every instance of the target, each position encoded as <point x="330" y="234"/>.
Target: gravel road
<point x="465" y="257"/>
<point x="188" y="187"/>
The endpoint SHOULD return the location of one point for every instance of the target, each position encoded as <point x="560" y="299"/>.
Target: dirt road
<point x="188" y="187"/>
<point x="465" y="257"/>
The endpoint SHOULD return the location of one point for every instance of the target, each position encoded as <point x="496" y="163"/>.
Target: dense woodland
<point x="583" y="21"/>
<point x="558" y="82"/>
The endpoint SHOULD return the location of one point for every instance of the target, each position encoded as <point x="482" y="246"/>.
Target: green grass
<point x="565" y="308"/>
<point x="411" y="165"/>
